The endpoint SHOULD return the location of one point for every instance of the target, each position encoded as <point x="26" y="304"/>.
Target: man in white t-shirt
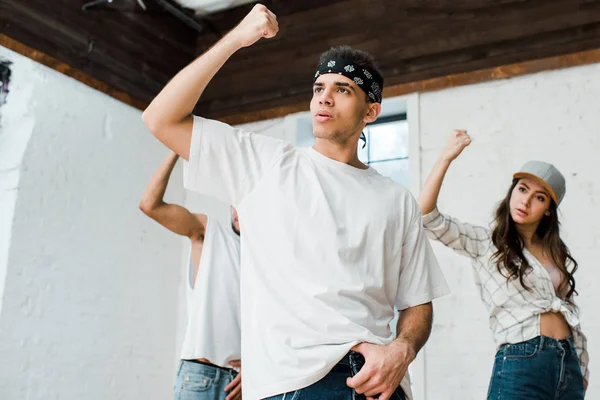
<point x="211" y="349"/>
<point x="330" y="247"/>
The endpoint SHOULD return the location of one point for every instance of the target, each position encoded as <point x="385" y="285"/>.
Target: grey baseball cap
<point x="547" y="175"/>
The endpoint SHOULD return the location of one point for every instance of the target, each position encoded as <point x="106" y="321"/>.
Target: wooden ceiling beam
<point x="418" y="45"/>
<point x="68" y="70"/>
<point x="133" y="52"/>
<point x="439" y="83"/>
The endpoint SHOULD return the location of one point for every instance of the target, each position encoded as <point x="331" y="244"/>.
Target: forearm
<point x="431" y="189"/>
<point x="155" y="191"/>
<point x="178" y="98"/>
<point x="414" y="327"/>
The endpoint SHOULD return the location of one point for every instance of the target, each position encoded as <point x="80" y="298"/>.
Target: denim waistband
<point x="548" y="342"/>
<point x="208" y="369"/>
<point x="351" y="362"/>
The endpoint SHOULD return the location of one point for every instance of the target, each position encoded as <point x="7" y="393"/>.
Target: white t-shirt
<point x="213" y="299"/>
<point x="328" y="251"/>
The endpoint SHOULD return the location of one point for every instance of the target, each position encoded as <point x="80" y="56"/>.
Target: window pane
<point x="389" y="140"/>
<point x="363" y="154"/>
<point x="397" y="170"/>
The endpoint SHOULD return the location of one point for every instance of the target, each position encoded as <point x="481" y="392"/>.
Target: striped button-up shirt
<point x="514" y="311"/>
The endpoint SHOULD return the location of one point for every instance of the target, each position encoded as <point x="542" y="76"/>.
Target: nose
<point x="326" y="97"/>
<point x="527" y="200"/>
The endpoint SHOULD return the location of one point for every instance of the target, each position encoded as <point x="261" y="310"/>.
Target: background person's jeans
<point x="333" y="386"/>
<point x="538" y="369"/>
<point x="199" y="381"/>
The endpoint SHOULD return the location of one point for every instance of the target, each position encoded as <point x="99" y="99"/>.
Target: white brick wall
<point x="16" y="126"/>
<point x="552" y="116"/>
<point x="90" y="283"/>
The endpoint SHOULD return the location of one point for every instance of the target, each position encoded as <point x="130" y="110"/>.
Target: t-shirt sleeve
<point x="465" y="239"/>
<point x="421" y="278"/>
<point x="226" y="162"/>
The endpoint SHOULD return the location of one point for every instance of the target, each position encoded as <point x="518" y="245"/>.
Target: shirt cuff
<point x="430" y="217"/>
<point x="414" y="301"/>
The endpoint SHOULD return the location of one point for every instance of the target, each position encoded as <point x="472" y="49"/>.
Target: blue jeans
<point x="333" y="385"/>
<point x="199" y="381"/>
<point x="539" y="369"/>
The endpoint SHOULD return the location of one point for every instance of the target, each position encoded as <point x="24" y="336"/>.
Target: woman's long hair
<point x="509" y="257"/>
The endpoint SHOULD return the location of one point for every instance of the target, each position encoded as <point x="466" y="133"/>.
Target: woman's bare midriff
<point x="554" y="325"/>
<point x="204" y="360"/>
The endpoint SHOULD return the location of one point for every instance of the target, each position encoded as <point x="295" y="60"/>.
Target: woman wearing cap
<point x="525" y="275"/>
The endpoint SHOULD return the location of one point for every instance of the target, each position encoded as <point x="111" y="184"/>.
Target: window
<point x="387" y="147"/>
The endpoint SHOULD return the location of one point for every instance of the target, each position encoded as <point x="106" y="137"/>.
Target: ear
<point x="373" y="111"/>
<point x="547" y="213"/>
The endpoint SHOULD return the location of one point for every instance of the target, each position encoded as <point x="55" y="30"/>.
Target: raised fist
<point x="259" y="23"/>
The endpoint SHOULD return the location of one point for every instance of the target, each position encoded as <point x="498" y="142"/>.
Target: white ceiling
<point x="211" y="6"/>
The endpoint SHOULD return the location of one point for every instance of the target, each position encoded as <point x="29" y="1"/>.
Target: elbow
<point x="425" y="206"/>
<point x="146" y="207"/>
<point x="152" y="122"/>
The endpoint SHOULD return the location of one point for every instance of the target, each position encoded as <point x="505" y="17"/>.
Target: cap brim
<point x="539" y="180"/>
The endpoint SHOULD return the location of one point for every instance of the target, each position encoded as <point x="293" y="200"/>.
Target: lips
<point x="323" y="116"/>
<point x="521" y="212"/>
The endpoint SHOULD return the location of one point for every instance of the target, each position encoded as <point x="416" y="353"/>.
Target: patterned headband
<point x="369" y="81"/>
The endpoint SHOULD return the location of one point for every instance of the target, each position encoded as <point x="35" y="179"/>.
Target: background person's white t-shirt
<point x="213" y="299"/>
<point x="327" y="252"/>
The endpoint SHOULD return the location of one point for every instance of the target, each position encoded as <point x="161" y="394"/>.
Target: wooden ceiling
<point x="137" y="52"/>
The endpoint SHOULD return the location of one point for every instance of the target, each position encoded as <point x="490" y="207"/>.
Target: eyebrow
<point x="343" y="84"/>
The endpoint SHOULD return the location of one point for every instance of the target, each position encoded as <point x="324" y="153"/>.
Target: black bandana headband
<point x="369" y="81"/>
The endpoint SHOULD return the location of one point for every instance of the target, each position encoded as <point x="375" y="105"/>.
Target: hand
<point x="259" y="23"/>
<point x="234" y="389"/>
<point x="458" y="140"/>
<point x="585" y="385"/>
<point x="384" y="369"/>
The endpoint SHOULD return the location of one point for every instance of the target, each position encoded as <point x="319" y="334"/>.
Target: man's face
<point x="339" y="108"/>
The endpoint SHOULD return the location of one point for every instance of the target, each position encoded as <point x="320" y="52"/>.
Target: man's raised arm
<point x="169" y="116"/>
